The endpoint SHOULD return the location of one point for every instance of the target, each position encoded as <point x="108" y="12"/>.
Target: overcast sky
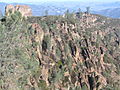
<point x="56" y="0"/>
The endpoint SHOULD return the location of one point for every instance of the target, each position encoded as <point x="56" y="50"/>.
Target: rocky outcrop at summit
<point x="23" y="9"/>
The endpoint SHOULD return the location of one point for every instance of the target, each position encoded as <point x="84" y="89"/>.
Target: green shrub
<point x="107" y="59"/>
<point x="58" y="52"/>
<point x="46" y="44"/>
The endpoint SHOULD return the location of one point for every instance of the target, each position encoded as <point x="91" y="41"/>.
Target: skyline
<point x="35" y="1"/>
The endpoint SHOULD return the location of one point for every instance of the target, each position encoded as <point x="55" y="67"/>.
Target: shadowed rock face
<point x="23" y="9"/>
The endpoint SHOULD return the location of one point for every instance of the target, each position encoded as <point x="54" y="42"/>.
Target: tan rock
<point x="23" y="9"/>
<point x="38" y="37"/>
<point x="38" y="32"/>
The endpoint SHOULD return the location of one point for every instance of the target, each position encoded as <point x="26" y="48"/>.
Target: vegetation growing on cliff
<point x="59" y="53"/>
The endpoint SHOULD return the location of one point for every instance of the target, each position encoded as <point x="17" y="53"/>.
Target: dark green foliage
<point x="46" y="44"/>
<point x="42" y="85"/>
<point x="84" y="87"/>
<point x="79" y="14"/>
<point x="107" y="59"/>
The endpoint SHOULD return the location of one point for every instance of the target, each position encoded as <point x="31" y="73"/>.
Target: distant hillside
<point x="112" y="12"/>
<point x="55" y="8"/>
<point x="2" y="7"/>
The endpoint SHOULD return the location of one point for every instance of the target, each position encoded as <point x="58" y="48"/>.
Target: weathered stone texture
<point x="23" y="9"/>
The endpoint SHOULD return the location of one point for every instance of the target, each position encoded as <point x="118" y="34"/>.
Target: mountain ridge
<point x="55" y="8"/>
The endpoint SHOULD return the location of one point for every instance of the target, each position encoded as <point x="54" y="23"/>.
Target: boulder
<point x="23" y="9"/>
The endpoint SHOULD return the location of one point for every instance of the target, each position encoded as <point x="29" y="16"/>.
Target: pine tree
<point x="1" y="15"/>
<point x="46" y="12"/>
<point x="79" y="12"/>
<point x="88" y="10"/>
<point x="67" y="13"/>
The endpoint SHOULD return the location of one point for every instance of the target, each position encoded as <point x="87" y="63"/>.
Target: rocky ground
<point x="59" y="53"/>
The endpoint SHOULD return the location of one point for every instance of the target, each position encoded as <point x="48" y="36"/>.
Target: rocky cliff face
<point x="23" y="9"/>
<point x="60" y="53"/>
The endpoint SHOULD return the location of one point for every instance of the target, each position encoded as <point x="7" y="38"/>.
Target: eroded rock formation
<point x="23" y="9"/>
<point x="55" y="53"/>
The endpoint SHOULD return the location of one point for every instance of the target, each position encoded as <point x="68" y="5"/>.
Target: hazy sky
<point x="57" y="0"/>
